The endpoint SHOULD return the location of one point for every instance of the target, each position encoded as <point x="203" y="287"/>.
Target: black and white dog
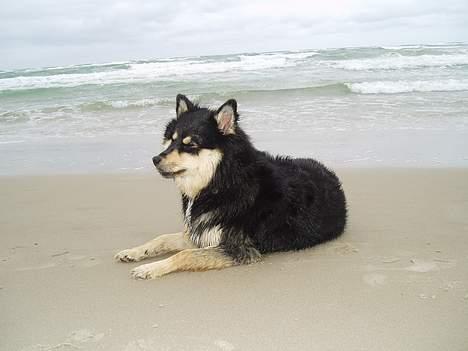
<point x="238" y="202"/>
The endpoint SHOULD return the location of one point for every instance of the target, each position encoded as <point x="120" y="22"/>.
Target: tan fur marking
<point x="200" y="259"/>
<point x="166" y="143"/>
<point x="200" y="169"/>
<point x="167" y="243"/>
<point x="172" y="159"/>
<point x="174" y="136"/>
<point x="187" y="140"/>
<point x="187" y="260"/>
<point x="161" y="245"/>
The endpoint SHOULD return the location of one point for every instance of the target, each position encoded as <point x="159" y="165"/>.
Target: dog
<point x="238" y="203"/>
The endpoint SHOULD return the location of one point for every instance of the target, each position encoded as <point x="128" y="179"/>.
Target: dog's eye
<point x="192" y="145"/>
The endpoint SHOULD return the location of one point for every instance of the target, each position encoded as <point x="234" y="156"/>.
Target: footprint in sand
<point x="374" y="279"/>
<point x="75" y="340"/>
<point x="422" y="266"/>
<point x="85" y="261"/>
<point x="91" y="262"/>
<point x="37" y="267"/>
<point x="435" y="265"/>
<point x="224" y="345"/>
<point x="417" y="265"/>
<point x="80" y="260"/>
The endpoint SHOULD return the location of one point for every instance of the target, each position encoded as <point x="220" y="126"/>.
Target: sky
<point x="64" y="32"/>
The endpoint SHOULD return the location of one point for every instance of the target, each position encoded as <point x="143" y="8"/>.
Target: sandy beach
<point x="396" y="280"/>
<point x="95" y="95"/>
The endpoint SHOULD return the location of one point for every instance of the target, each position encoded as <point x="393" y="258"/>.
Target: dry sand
<point x="397" y="279"/>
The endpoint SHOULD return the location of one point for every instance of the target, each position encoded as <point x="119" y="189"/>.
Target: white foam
<point x="12" y="141"/>
<point x="167" y="69"/>
<point x="403" y="47"/>
<point x="296" y="55"/>
<point x="190" y="67"/>
<point x="136" y="103"/>
<point x="425" y="46"/>
<point x="396" y="61"/>
<point x="407" y="86"/>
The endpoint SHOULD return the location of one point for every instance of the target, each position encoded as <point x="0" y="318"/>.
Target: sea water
<point x="364" y="107"/>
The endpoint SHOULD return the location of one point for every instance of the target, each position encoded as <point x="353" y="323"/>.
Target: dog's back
<point x="297" y="203"/>
<point x="311" y="207"/>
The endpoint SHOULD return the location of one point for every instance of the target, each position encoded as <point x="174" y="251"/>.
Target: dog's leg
<point x="187" y="260"/>
<point x="193" y="260"/>
<point x="162" y="244"/>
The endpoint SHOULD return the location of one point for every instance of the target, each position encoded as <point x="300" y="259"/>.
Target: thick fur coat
<point x="238" y="202"/>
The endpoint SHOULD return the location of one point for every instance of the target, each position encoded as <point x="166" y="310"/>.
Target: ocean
<point x="360" y="107"/>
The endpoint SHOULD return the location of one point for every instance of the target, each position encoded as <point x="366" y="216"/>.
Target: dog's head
<point x="192" y="143"/>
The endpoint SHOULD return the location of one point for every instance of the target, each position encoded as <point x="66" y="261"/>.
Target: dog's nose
<point x="156" y="160"/>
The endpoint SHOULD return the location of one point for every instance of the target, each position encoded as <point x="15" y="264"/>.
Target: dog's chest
<point x="202" y="233"/>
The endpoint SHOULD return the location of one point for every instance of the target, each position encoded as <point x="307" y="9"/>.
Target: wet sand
<point x="396" y="280"/>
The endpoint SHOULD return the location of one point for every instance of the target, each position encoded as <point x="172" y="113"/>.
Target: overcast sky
<point x="60" y="32"/>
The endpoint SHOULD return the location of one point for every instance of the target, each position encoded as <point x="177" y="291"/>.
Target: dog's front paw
<point x="149" y="271"/>
<point x="130" y="255"/>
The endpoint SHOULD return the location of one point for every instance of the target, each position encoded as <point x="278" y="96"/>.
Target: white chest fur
<point x="188" y="212"/>
<point x="208" y="237"/>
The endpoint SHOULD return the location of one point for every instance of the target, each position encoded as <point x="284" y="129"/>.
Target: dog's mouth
<point x="168" y="174"/>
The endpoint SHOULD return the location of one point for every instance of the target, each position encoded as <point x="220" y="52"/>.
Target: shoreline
<point x="336" y="149"/>
<point x="395" y="280"/>
<point x="151" y="172"/>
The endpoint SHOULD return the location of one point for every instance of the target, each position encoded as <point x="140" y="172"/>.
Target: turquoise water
<point x="328" y="94"/>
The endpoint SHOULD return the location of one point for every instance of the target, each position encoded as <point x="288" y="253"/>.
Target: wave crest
<point x="397" y="61"/>
<point x="149" y="71"/>
<point x="407" y="86"/>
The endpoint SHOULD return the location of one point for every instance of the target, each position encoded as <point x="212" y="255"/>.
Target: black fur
<point x="262" y="203"/>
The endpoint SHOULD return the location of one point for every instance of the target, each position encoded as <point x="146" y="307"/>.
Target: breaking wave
<point x="407" y="86"/>
<point x="397" y="62"/>
<point x="146" y="71"/>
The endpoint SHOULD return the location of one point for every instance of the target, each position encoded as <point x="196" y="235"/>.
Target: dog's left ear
<point x="183" y="104"/>
<point x="227" y="117"/>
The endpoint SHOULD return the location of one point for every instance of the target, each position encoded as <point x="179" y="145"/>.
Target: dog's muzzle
<point x="164" y="172"/>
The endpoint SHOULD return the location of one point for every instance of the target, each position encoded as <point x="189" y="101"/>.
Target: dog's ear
<point x="227" y="117"/>
<point x="183" y="104"/>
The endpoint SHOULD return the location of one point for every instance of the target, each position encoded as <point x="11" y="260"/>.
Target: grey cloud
<point x="55" y="32"/>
